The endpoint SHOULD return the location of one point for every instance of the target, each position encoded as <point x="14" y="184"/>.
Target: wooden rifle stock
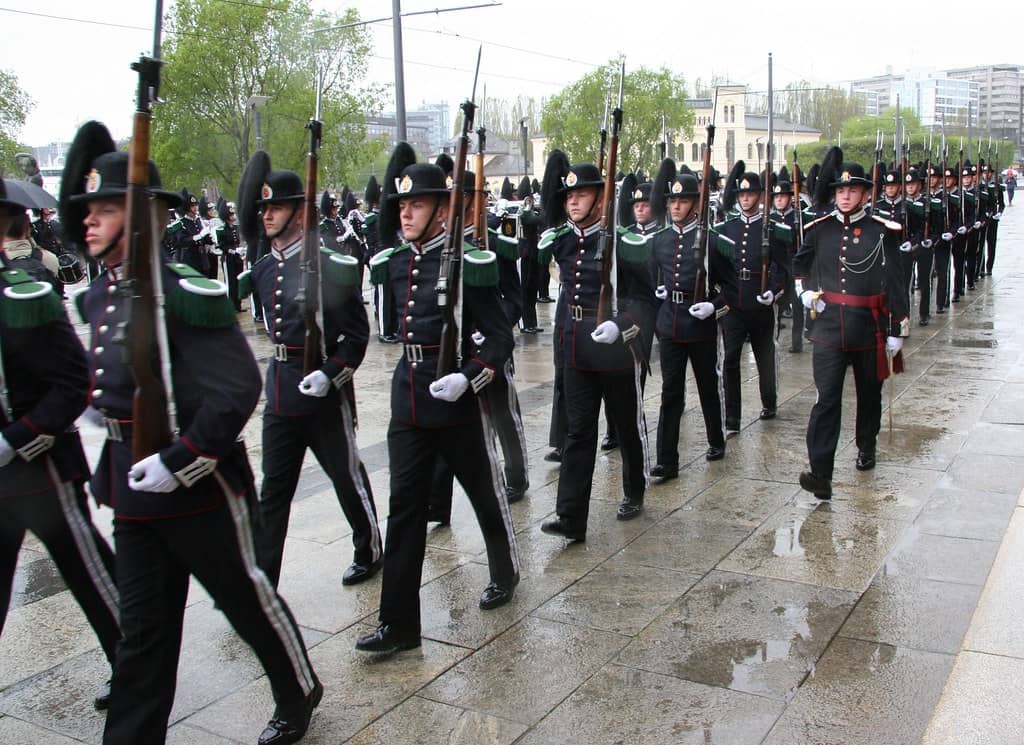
<point x="308" y="294"/>
<point x="766" y="235"/>
<point x="151" y="426"/>
<point x="700" y="243"/>
<point x="798" y="208"/>
<point x="606" y="241"/>
<point x="480" y="197"/>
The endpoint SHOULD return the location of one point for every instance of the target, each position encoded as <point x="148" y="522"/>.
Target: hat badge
<point x="777" y="189"/>
<point x="845" y="176"/>
<point x="638" y="194"/>
<point x="266" y="192"/>
<point x="448" y="182"/>
<point x="744" y="184"/>
<point x="404" y="185"/>
<point x="677" y="188"/>
<point x="92" y="182"/>
<point x="571" y="179"/>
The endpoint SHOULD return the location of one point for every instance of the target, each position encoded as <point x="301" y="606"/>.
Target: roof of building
<point x="759" y="122"/>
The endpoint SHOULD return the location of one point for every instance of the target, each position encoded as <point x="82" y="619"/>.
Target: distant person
<point x="1011" y="184"/>
<point x="22" y="252"/>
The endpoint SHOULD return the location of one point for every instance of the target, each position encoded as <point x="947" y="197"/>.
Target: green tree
<point x="219" y="55"/>
<point x="571" y="119"/>
<point x="825" y="109"/>
<point x="14" y="107"/>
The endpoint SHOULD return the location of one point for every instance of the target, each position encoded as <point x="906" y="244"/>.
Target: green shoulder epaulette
<point x="379" y="264"/>
<point x="507" y="247"/>
<point x="26" y="303"/>
<point x="783" y="232"/>
<point x="816" y="221"/>
<point x="198" y="300"/>
<point x="549" y="236"/>
<point x="479" y="267"/>
<point x="173" y="228"/>
<point x="78" y="300"/>
<point x="725" y="245"/>
<point x="338" y="269"/>
<point x="633" y="248"/>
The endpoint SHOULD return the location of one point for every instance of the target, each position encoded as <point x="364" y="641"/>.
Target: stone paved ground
<point x="736" y="610"/>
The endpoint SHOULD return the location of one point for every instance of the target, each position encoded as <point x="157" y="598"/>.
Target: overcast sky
<point x="77" y="70"/>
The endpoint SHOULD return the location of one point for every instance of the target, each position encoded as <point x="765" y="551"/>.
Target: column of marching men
<point x="696" y="267"/>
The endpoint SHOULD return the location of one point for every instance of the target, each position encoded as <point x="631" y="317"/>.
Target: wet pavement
<point x="737" y="609"/>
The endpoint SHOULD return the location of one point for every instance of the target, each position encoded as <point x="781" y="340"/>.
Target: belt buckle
<point x="744" y="274"/>
<point x="577" y="312"/>
<point x="281" y="352"/>
<point x="678" y="297"/>
<point x="414" y="352"/>
<point x="114" y="431"/>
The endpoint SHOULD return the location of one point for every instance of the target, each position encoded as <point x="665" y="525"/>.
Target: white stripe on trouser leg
<point x="775" y="349"/>
<point x="496" y="481"/>
<point x="641" y="423"/>
<point x="267" y="595"/>
<point x="355" y="473"/>
<point x="719" y="357"/>
<point x="513" y="407"/>
<point x="85" y="541"/>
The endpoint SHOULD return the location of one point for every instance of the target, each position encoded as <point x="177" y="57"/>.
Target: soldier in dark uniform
<point x="184" y="510"/>
<point x="233" y="253"/>
<point x="437" y="418"/>
<point x="314" y="410"/>
<point x="924" y="213"/>
<point x="383" y="299"/>
<point x="850" y="273"/>
<point x="893" y="207"/>
<point x="47" y="231"/>
<point x="686" y="324"/>
<point x="530" y="224"/>
<point x="211" y="222"/>
<point x="330" y="225"/>
<point x="941" y="183"/>
<point x="976" y="218"/>
<point x="997" y="204"/>
<point x="962" y="213"/>
<point x="784" y="227"/>
<point x="43" y="381"/>
<point x="602" y="359"/>
<point x="751" y="312"/>
<point x="185" y="240"/>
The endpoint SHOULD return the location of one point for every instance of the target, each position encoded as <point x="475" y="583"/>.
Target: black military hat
<point x="934" y="169"/>
<point x="205" y="207"/>
<point x="524" y="189"/>
<point x="914" y="173"/>
<point x="952" y="171"/>
<point x="507" y="192"/>
<point x="350" y="202"/>
<point x="328" y="202"/>
<point x="187" y="200"/>
<point x="468" y="182"/>
<point x="445" y="163"/>
<point x="641" y="192"/>
<point x="281" y="186"/>
<point x="892" y="177"/>
<point x="535" y="185"/>
<point x="372" y="194"/>
<point x="580" y="176"/>
<point x="749" y="181"/>
<point x="250" y="187"/>
<point x="969" y="169"/>
<point x="781" y="183"/>
<point x="225" y="209"/>
<point x="683" y="186"/>
<point x="850" y="174"/>
<point x="418" y="179"/>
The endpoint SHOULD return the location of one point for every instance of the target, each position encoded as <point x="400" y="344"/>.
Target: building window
<point x="750" y="150"/>
<point x="696" y="153"/>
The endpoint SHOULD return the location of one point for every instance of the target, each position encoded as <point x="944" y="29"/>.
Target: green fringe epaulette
<point x="338" y="269"/>
<point x="379" y="266"/>
<point x="507" y="247"/>
<point x="479" y="268"/>
<point x="78" y="300"/>
<point x="546" y="244"/>
<point x="783" y="232"/>
<point x="173" y="228"/>
<point x="632" y="248"/>
<point x="954" y="199"/>
<point x="26" y="303"/>
<point x="245" y="284"/>
<point x="197" y="300"/>
<point x="725" y="245"/>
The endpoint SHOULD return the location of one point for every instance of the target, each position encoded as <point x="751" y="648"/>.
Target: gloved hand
<point x="947" y="237"/>
<point x="811" y="302"/>
<point x="906" y="247"/>
<point x="977" y="224"/>
<point x="766" y="298"/>
<point x="7" y="453"/>
<point x="894" y="344"/>
<point x="94" y="416"/>
<point x="477" y="338"/>
<point x="606" y="333"/>
<point x="700" y="311"/>
<point x="661" y="293"/>
<point x="450" y="387"/>
<point x="926" y="243"/>
<point x="150" y="474"/>
<point x="316" y="384"/>
<point x="962" y="230"/>
<point x="996" y="215"/>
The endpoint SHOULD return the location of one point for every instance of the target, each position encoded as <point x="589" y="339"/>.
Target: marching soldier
<point x="185" y="240"/>
<point x="997" y="205"/>
<point x="184" y="510"/>
<point x="434" y="418"/>
<point x="211" y="224"/>
<point x="383" y="298"/>
<point x="330" y="225"/>
<point x="941" y="183"/>
<point x="530" y="225"/>
<point x="784" y="227"/>
<point x="43" y="381"/>
<point x="962" y="215"/>
<point x="232" y="252"/>
<point x="975" y="222"/>
<point x="751" y="311"/>
<point x="600" y="358"/>
<point x="686" y="325"/>
<point x="850" y="274"/>
<point x="925" y="212"/>
<point x="314" y="410"/>
<point x="893" y="207"/>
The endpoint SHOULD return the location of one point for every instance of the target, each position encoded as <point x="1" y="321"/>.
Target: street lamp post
<point x="255" y="103"/>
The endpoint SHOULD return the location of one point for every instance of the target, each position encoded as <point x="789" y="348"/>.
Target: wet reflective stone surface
<point x="736" y="609"/>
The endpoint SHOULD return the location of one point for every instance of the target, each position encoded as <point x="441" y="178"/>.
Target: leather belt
<point x="680" y="297"/>
<point x="745" y="274"/>
<point x="417" y="352"/>
<point x="578" y="312"/>
<point x="118" y="430"/>
<point x="283" y="353"/>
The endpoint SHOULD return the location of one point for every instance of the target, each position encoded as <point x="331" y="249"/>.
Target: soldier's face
<point x="419" y="218"/>
<point x="579" y="205"/>
<point x="782" y="201"/>
<point x="933" y="182"/>
<point x="276" y="215"/>
<point x="104" y="224"/>
<point x="748" y="200"/>
<point x="913" y="188"/>
<point x="849" y="197"/>
<point x="642" y="212"/>
<point x="892" y="190"/>
<point x="193" y="209"/>
<point x="679" y="208"/>
<point x="950" y="182"/>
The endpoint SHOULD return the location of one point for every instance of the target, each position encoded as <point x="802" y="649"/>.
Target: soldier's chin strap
<point x="284" y="227"/>
<point x="110" y="246"/>
<point x="433" y="213"/>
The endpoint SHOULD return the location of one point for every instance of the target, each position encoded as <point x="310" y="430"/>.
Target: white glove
<point x="94" y="416"/>
<point x="996" y="215"/>
<point x="606" y="333"/>
<point x="962" y="230"/>
<point x="315" y="384"/>
<point x="812" y="303"/>
<point x="150" y="474"/>
<point x="926" y="243"/>
<point x="450" y="387"/>
<point x="894" y="344"/>
<point x="661" y="293"/>
<point x="906" y="247"/>
<point x="947" y="237"/>
<point x="977" y="225"/>
<point x="477" y="338"/>
<point x="7" y="453"/>
<point x="701" y="311"/>
<point x="766" y="298"/>
<point x="798" y="284"/>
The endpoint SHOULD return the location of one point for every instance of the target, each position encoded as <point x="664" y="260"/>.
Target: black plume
<point x="685" y="169"/>
<point x="551" y="192"/>
<point x="91" y="141"/>
<point x="812" y="178"/>
<point x="506" y="189"/>
<point x="445" y="163"/>
<point x="535" y="185"/>
<point x="250" y="189"/>
<point x="833" y="161"/>
<point x="728" y="200"/>
<point x="524" y="189"/>
<point x="222" y="209"/>
<point x="402" y="157"/>
<point x="783" y="174"/>
<point x="626" y="189"/>
<point x="372" y="194"/>
<point x="666" y="175"/>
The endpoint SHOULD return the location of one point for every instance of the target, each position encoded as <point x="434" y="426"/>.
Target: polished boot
<point x="819" y="486"/>
<point x="357" y="572"/>
<point x="386" y="639"/>
<point x="558" y="526"/>
<point x="290" y="725"/>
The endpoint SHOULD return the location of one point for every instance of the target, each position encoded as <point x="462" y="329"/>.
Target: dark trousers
<point x="530" y="277"/>
<point x="759" y="327"/>
<point x="559" y="418"/>
<point x="468" y="449"/>
<point x="544" y="282"/>
<point x="923" y="258"/>
<point x="154" y="561"/>
<point x="829" y="365"/>
<point x="943" y="252"/>
<point x="330" y="434"/>
<point x="972" y="253"/>
<point x="233" y="266"/>
<point x="990" y="240"/>
<point x="792" y="299"/>
<point x="959" y="264"/>
<point x="584" y="390"/>
<point x="703" y="357"/>
<point x="907" y="261"/>
<point x="61" y="520"/>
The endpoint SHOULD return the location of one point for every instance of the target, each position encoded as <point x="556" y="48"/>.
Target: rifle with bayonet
<point x="308" y="294"/>
<point x="479" y="193"/>
<point x="604" y="138"/>
<point x="664" y="138"/>
<point x="766" y="243"/>
<point x="700" y="243"/>
<point x="879" y="142"/>
<point x="798" y="208"/>
<point x="606" y="241"/>
<point x="449" y="280"/>
<point x="927" y="192"/>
